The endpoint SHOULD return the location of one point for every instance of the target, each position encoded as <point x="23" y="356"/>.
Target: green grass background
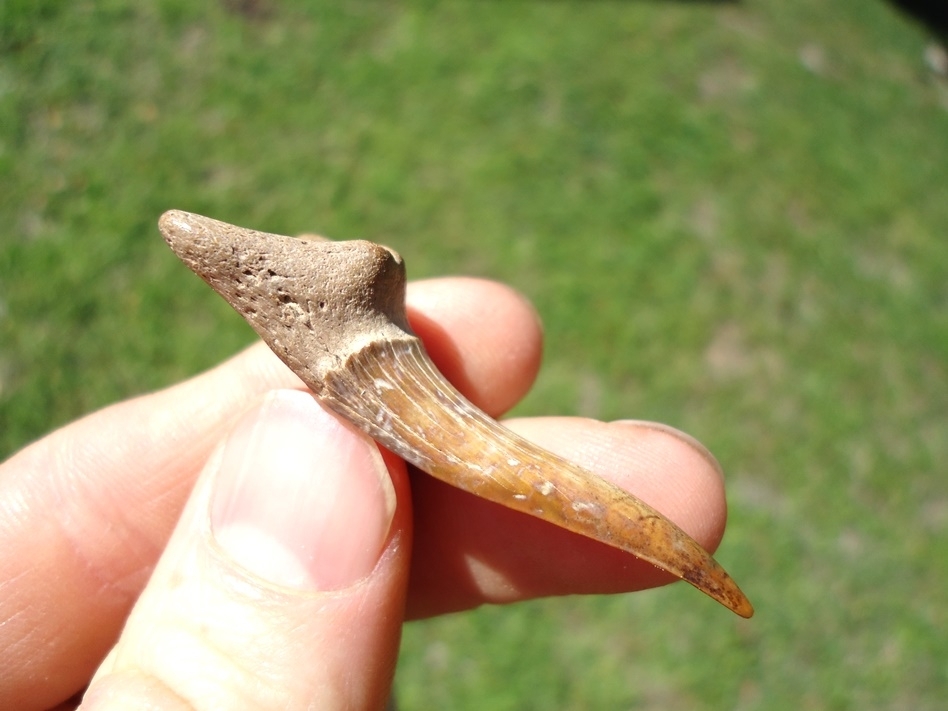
<point x="732" y="217"/>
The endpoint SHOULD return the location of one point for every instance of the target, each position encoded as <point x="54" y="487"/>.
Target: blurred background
<point x="731" y="216"/>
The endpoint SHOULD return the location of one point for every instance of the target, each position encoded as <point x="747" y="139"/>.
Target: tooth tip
<point x="706" y="574"/>
<point x="740" y="605"/>
<point x="730" y="595"/>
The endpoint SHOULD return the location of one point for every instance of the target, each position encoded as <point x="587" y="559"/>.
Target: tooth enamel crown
<point x="334" y="312"/>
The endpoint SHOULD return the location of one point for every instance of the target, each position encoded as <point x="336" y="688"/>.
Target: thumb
<point x="283" y="585"/>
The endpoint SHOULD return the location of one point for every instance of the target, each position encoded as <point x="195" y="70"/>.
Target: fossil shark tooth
<point x="334" y="312"/>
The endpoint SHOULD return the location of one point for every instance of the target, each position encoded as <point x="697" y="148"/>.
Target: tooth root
<point x="334" y="313"/>
<point x="394" y="393"/>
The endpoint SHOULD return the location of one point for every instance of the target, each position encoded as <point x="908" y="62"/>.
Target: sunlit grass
<point x="731" y="217"/>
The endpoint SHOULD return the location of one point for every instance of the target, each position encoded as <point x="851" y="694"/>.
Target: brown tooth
<point x="334" y="313"/>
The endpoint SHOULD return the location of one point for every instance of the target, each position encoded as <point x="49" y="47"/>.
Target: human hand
<point x="266" y="594"/>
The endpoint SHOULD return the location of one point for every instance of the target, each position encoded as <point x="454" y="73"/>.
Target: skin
<point x="86" y="513"/>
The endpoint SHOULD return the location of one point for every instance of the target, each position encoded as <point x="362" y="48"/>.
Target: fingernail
<point x="301" y="499"/>
<point x="678" y="434"/>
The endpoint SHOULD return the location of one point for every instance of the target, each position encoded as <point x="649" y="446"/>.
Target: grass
<point x="731" y="218"/>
